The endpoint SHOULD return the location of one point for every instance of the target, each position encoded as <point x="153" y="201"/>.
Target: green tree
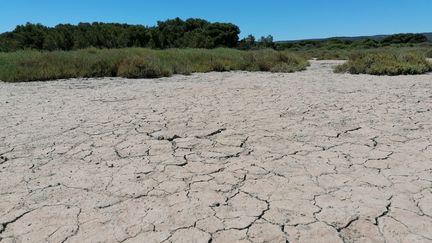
<point x="172" y="33"/>
<point x="267" y="41"/>
<point x="247" y="43"/>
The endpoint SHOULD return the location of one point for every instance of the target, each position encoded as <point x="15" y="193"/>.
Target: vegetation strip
<point x="386" y="64"/>
<point x="140" y="63"/>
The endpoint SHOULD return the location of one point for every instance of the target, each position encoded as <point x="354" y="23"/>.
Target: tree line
<point x="172" y="33"/>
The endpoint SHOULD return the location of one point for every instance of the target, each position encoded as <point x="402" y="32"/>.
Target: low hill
<point x="354" y="38"/>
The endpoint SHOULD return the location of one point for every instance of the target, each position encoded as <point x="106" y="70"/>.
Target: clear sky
<point x="284" y="19"/>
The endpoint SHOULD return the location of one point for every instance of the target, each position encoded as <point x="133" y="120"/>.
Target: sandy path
<point x="222" y="157"/>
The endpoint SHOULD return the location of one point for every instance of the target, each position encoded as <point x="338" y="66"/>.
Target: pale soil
<point x="221" y="157"/>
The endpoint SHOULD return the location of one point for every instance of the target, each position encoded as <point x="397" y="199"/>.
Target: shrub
<point x="184" y="69"/>
<point x="102" y="68"/>
<point x="385" y="64"/>
<point x="283" y="68"/>
<point x="288" y="63"/>
<point x="141" y="67"/>
<point x="274" y="61"/>
<point x="218" y="66"/>
<point x="429" y="54"/>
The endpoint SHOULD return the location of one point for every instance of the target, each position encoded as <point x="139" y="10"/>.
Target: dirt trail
<point x="219" y="157"/>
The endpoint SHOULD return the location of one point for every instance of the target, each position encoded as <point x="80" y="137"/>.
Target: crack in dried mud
<point x="218" y="157"/>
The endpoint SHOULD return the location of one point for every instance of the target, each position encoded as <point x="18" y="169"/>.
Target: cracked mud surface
<point x="218" y="157"/>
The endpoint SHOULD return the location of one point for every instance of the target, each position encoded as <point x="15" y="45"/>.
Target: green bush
<point x="141" y="67"/>
<point x="282" y="68"/>
<point x="274" y="61"/>
<point x="385" y="64"/>
<point x="102" y="68"/>
<point x="218" y="66"/>
<point x="288" y="63"/>
<point x="429" y="54"/>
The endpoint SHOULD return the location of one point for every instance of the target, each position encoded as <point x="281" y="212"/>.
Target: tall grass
<point x="140" y="63"/>
<point x="386" y="63"/>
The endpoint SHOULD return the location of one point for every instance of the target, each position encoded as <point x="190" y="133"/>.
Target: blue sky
<point x="289" y="19"/>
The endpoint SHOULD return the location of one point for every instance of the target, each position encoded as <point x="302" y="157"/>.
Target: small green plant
<point x="385" y="64"/>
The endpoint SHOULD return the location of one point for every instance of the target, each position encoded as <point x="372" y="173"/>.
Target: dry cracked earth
<point x="220" y="157"/>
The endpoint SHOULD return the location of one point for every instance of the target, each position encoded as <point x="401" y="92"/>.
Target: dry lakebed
<point x="310" y="156"/>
